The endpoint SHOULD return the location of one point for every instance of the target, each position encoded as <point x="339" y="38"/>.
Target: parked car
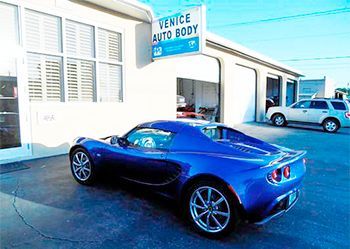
<point x="219" y="175"/>
<point x="190" y="115"/>
<point x="331" y="114"/>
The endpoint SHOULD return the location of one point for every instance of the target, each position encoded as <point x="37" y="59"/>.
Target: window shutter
<point x="110" y="79"/>
<point x="109" y="45"/>
<point x="43" y="32"/>
<point x="81" y="78"/>
<point x="44" y="77"/>
<point x="79" y="39"/>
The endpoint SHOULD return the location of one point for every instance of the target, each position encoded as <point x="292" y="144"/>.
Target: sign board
<point x="179" y="34"/>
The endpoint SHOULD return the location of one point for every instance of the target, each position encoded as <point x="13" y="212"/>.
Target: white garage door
<point x="246" y="94"/>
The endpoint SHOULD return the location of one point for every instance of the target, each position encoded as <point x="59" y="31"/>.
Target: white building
<point x="84" y="68"/>
<point x="320" y="88"/>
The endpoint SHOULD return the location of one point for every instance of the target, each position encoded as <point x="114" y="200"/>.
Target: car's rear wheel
<point x="82" y="167"/>
<point x="331" y="125"/>
<point x="210" y="209"/>
<point x="279" y="120"/>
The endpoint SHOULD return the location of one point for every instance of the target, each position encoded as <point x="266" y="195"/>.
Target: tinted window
<point x="319" y="105"/>
<point x="302" y="104"/>
<point x="150" y="138"/>
<point x="338" y="105"/>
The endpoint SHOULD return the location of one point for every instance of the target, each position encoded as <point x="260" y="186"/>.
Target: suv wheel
<point x="330" y="125"/>
<point x="279" y="120"/>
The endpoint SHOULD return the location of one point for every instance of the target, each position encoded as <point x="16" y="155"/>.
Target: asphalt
<point x="43" y="207"/>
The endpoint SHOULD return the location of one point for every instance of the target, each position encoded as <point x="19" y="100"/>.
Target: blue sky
<point x="299" y="38"/>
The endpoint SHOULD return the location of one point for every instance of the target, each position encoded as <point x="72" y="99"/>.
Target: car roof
<point x="178" y="124"/>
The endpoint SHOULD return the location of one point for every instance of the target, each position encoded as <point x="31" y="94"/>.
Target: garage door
<point x="246" y="94"/>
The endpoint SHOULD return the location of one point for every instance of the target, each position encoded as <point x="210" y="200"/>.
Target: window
<point x="319" y="105"/>
<point x="67" y="71"/>
<point x="45" y="77"/>
<point x="110" y="69"/>
<point x="80" y="79"/>
<point x="150" y="138"/>
<point x="302" y="104"/>
<point x="45" y="73"/>
<point x="338" y="105"/>
<point x="43" y="32"/>
<point x="8" y="25"/>
<point x="80" y="62"/>
<point x="218" y="133"/>
<point x="79" y="39"/>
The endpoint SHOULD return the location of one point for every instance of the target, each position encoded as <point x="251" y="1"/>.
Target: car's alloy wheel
<point x="330" y="126"/>
<point x="279" y="120"/>
<point x="209" y="209"/>
<point x="82" y="166"/>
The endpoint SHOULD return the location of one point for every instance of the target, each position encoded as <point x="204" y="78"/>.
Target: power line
<point x="319" y="58"/>
<point x="285" y="18"/>
<point x="296" y="37"/>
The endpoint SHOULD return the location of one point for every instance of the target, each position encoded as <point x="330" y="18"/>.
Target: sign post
<point x="179" y="34"/>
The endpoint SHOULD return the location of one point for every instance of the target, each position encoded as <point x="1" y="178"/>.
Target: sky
<point x="308" y="43"/>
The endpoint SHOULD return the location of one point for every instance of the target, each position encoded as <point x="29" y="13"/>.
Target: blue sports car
<point x="219" y="175"/>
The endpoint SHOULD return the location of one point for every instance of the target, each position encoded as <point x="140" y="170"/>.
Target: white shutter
<point x="8" y="26"/>
<point x="109" y="45"/>
<point x="81" y="79"/>
<point x="79" y="39"/>
<point x="110" y="78"/>
<point x="44" y="77"/>
<point x="43" y="32"/>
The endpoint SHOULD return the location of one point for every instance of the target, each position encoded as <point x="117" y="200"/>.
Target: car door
<point x="144" y="159"/>
<point x="318" y="109"/>
<point x="299" y="111"/>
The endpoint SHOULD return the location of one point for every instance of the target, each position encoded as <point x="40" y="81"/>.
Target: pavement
<point x="43" y="207"/>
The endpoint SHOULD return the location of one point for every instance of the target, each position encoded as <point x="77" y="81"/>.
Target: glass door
<point x="14" y="118"/>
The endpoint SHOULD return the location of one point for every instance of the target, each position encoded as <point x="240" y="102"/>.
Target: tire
<point x="331" y="125"/>
<point x="199" y="215"/>
<point x="82" y="167"/>
<point x="279" y="120"/>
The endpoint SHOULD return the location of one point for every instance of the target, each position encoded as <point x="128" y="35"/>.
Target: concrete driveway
<point x="43" y="207"/>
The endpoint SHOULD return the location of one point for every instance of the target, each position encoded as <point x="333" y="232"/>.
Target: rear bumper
<point x="280" y="206"/>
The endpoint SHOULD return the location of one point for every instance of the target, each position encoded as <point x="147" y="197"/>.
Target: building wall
<point x="149" y="87"/>
<point x="323" y="87"/>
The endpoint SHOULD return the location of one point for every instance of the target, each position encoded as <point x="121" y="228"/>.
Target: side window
<point x="150" y="138"/>
<point x="302" y="104"/>
<point x="319" y="105"/>
<point x="338" y="105"/>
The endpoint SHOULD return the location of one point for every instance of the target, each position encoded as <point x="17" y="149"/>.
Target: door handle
<point x="324" y="111"/>
<point x="304" y="111"/>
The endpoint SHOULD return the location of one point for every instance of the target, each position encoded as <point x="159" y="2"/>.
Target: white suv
<point x="330" y="113"/>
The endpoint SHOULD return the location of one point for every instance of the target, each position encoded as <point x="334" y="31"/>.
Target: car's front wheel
<point x="331" y="125"/>
<point x="82" y="167"/>
<point x="279" y="120"/>
<point x="211" y="209"/>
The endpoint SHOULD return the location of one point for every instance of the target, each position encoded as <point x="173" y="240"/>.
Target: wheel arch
<point x="276" y="113"/>
<point x="332" y="118"/>
<point x="209" y="177"/>
<point x="74" y="147"/>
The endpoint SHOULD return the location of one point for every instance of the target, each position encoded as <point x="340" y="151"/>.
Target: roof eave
<point x="250" y="54"/>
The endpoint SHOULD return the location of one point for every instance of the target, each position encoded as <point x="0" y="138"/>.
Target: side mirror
<point x="114" y="139"/>
<point x="123" y="142"/>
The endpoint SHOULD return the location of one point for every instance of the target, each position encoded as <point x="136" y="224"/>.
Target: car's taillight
<point x="347" y="115"/>
<point x="286" y="172"/>
<point x="275" y="176"/>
